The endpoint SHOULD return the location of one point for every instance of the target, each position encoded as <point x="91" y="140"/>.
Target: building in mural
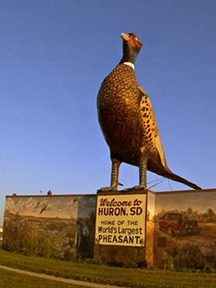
<point x="56" y="226"/>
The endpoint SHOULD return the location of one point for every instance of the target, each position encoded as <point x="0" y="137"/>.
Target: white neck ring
<point x="129" y="64"/>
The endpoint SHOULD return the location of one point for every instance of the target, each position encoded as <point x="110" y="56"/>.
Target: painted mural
<point x="180" y="228"/>
<point x="57" y="226"/>
<point x="185" y="229"/>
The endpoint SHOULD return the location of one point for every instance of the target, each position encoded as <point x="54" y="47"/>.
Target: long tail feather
<point x="177" y="178"/>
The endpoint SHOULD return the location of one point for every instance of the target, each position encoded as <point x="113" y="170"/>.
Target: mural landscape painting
<point x="180" y="228"/>
<point x="186" y="235"/>
<point x="60" y="227"/>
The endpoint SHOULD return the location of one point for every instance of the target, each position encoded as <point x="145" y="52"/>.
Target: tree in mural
<point x="207" y="217"/>
<point x="210" y="216"/>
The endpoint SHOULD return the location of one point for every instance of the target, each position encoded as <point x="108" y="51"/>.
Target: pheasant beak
<point x="125" y="36"/>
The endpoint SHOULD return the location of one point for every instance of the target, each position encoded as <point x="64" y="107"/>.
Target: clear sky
<point x="53" y="58"/>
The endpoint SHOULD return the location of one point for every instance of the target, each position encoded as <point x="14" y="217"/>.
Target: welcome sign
<point x="120" y="220"/>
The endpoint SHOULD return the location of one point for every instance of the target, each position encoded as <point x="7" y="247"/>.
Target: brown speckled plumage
<point x="128" y="123"/>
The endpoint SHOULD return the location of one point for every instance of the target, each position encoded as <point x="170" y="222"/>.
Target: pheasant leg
<point x="143" y="171"/>
<point x="115" y="173"/>
<point x="114" y="176"/>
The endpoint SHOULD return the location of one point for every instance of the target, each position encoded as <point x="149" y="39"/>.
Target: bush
<point x="190" y="256"/>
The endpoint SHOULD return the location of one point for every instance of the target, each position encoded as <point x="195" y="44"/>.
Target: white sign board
<point x="120" y="220"/>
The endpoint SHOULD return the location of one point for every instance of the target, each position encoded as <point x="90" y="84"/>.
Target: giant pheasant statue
<point x="128" y="122"/>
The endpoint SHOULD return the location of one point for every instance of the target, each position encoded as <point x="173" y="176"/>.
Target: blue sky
<point x="53" y="58"/>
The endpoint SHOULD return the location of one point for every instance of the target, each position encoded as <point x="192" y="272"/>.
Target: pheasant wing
<point x="151" y="133"/>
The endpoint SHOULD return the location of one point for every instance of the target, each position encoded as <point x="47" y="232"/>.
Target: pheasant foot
<point x="108" y="189"/>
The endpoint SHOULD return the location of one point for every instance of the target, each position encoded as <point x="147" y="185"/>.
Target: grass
<point x="14" y="280"/>
<point x="85" y="271"/>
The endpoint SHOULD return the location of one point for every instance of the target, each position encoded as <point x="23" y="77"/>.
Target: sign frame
<point x="130" y="196"/>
